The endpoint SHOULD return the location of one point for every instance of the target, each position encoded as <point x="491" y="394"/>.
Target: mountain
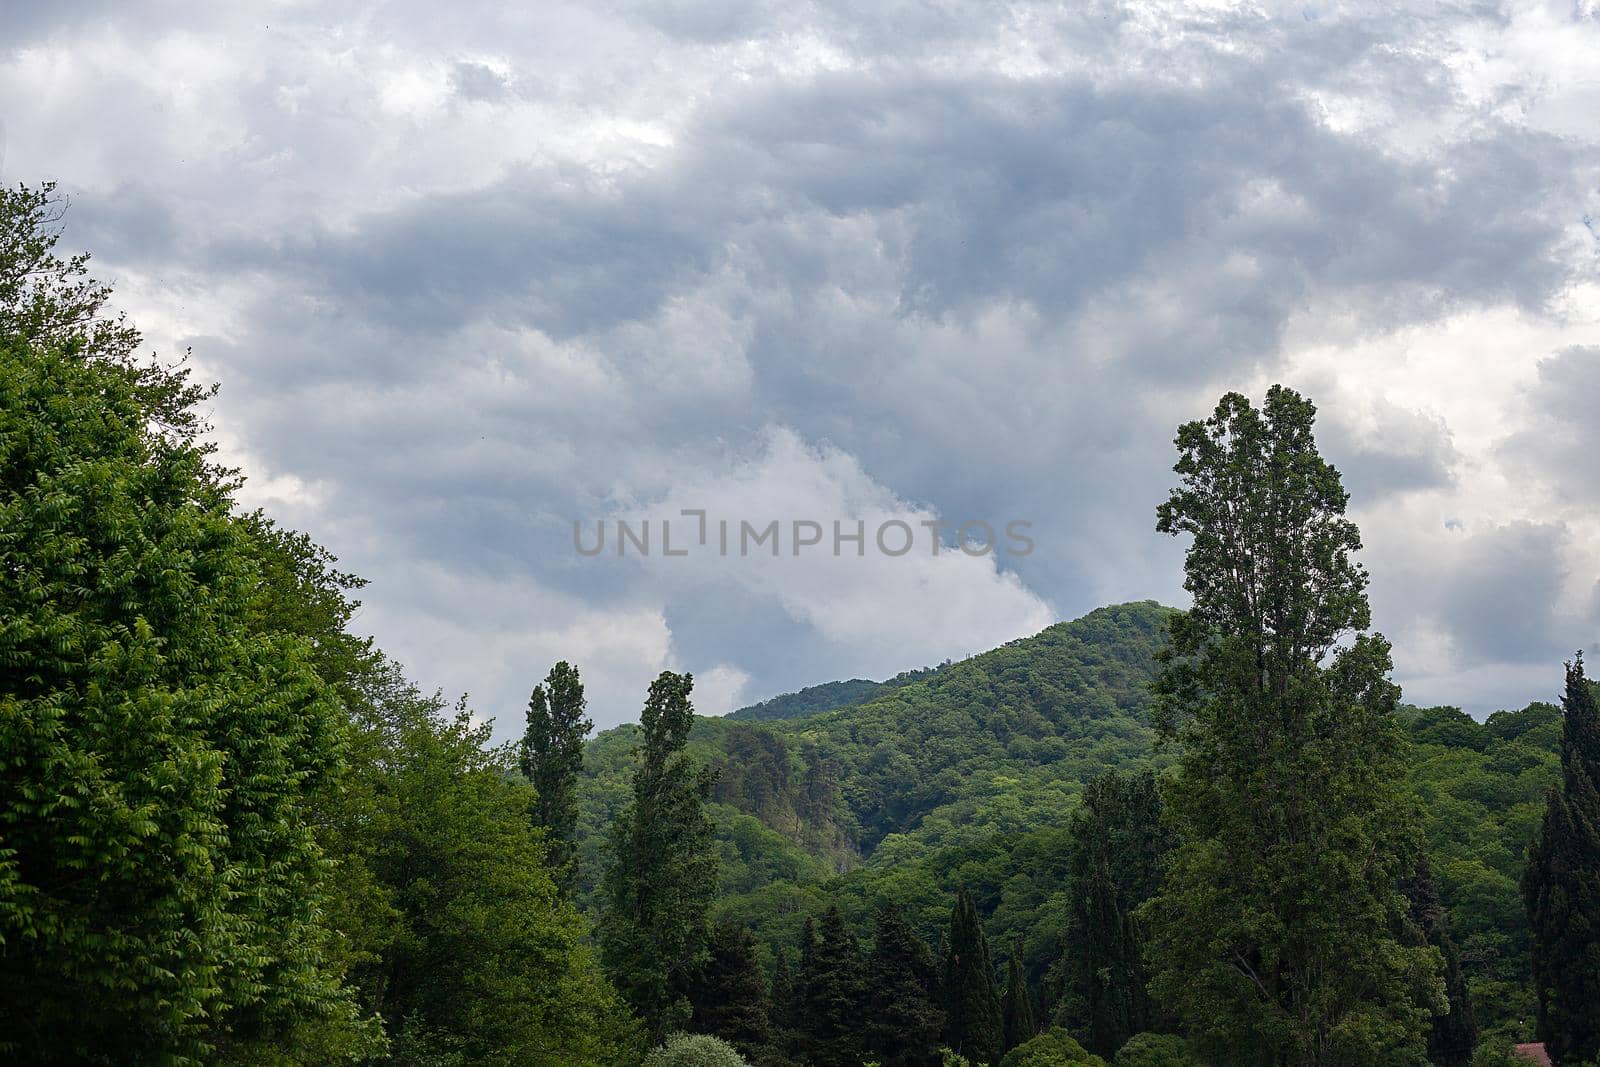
<point x="828" y="696"/>
<point x="809" y="701"/>
<point x="965" y="776"/>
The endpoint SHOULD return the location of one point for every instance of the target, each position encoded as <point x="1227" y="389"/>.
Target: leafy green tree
<point x="730" y="999"/>
<point x="972" y="1023"/>
<point x="1016" y="1010"/>
<point x="1277" y="934"/>
<point x="1121" y="841"/>
<point x="482" y="958"/>
<point x="1053" y="1048"/>
<point x="906" y="1020"/>
<point x="551" y="757"/>
<point x="1561" y="886"/>
<point x="1157" y="1050"/>
<point x="160" y="885"/>
<point x="832" y="989"/>
<point x="653" y="935"/>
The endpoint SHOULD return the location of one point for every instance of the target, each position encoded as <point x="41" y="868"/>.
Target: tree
<point x="551" y="757"/>
<point x="831" y="992"/>
<point x="1561" y="886"/>
<point x="160" y="885"/>
<point x="653" y="933"/>
<point x="1120" y="844"/>
<point x="1277" y="933"/>
<point x="1453" y="1035"/>
<point x="694" y="1050"/>
<point x="906" y="1019"/>
<point x="1017" y="1010"/>
<point x="1053" y="1048"/>
<point x="731" y="997"/>
<point x="972" y="1025"/>
<point x="481" y="958"/>
<point x="783" y="1010"/>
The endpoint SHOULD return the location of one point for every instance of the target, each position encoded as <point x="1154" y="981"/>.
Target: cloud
<point x="467" y="274"/>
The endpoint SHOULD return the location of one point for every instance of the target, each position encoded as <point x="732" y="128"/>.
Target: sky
<point x="472" y="273"/>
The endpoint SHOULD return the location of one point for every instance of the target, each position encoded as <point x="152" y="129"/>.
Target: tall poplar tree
<point x="1561" y="886"/>
<point x="1017" y="1009"/>
<point x="551" y="757"/>
<point x="1278" y="934"/>
<point x="972" y="1023"/>
<point x="653" y="934"/>
<point x="906" y="1019"/>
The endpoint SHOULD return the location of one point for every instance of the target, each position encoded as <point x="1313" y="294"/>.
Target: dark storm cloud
<point x="994" y="255"/>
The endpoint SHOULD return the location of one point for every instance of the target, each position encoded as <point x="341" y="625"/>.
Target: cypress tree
<point x="972" y="1023"/>
<point x="831" y="995"/>
<point x="731" y="998"/>
<point x="1453" y="1037"/>
<point x="1120" y="842"/>
<point x="1561" y="886"/>
<point x="551" y="757"/>
<point x="906" y="1018"/>
<point x="1017" y="1011"/>
<point x="653" y="931"/>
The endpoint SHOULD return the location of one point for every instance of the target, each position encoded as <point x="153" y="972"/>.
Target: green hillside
<point x="967" y="776"/>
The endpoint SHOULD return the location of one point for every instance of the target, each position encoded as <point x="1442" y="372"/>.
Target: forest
<point x="234" y="831"/>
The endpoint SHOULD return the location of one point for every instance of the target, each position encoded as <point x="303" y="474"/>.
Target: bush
<point x="1054" y="1048"/>
<point x="1157" y="1050"/>
<point x="695" y="1050"/>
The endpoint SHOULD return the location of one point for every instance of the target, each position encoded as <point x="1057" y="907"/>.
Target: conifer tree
<point x="906" y="1020"/>
<point x="1017" y="1010"/>
<point x="653" y="932"/>
<point x="1453" y="1037"/>
<point x="1561" y="886"/>
<point x="782" y="1011"/>
<point x="731" y="997"/>
<point x="972" y="1023"/>
<point x="1120" y="842"/>
<point x="551" y="757"/>
<point x="831" y="994"/>
<point x="1278" y="930"/>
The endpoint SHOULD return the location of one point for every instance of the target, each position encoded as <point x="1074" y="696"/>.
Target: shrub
<point x="695" y="1050"/>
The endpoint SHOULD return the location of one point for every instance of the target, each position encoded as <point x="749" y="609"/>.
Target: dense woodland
<point x="233" y="831"/>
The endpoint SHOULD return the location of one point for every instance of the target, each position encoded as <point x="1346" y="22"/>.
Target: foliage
<point x="903" y="982"/>
<point x="551" y="758"/>
<point x="1561" y="886"/>
<point x="1277" y="930"/>
<point x="809" y="701"/>
<point x="1016" y="1007"/>
<point x="694" y="1050"/>
<point x="654" y="932"/>
<point x="832" y="987"/>
<point x="972" y="1022"/>
<point x="1157" y="1050"/>
<point x="1121" y="843"/>
<point x="1053" y="1048"/>
<point x="160" y="886"/>
<point x="730" y="997"/>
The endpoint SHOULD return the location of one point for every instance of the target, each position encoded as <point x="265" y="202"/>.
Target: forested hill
<point x="810" y="700"/>
<point x="997" y="744"/>
<point x="966" y="777"/>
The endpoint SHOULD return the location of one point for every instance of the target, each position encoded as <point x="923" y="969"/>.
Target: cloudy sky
<point x="470" y="272"/>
